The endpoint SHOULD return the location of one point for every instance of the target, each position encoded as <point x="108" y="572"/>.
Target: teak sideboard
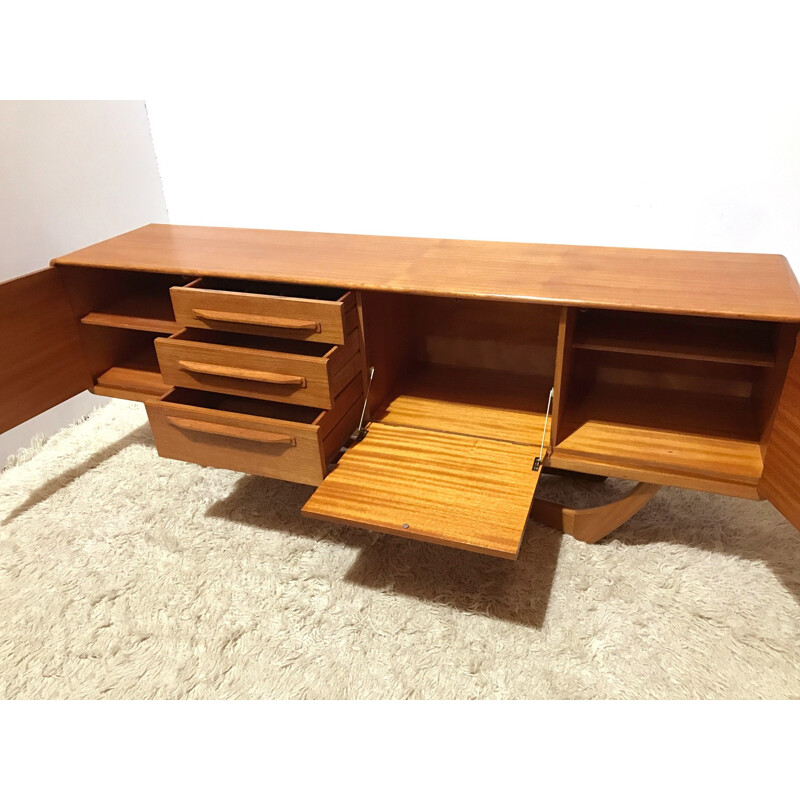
<point x="423" y="385"/>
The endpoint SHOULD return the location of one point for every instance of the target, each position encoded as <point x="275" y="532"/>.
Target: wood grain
<point x="232" y="432"/>
<point x="692" y="338"/>
<point x="201" y="305"/>
<point x="203" y="368"/>
<point x="481" y="403"/>
<point x="296" y="458"/>
<point x="480" y="334"/>
<point x="388" y="340"/>
<point x="780" y="483"/>
<point x="238" y="319"/>
<point x="612" y="467"/>
<point x="741" y="285"/>
<point x="671" y="432"/>
<point x="563" y="370"/>
<point x="260" y="437"/>
<point x="700" y="454"/>
<point x="449" y="489"/>
<point x="244" y="451"/>
<point x="140" y="312"/>
<point x="767" y="390"/>
<point x="41" y="358"/>
<point x="123" y="312"/>
<point x="592" y="524"/>
<point x="134" y="378"/>
<point x="654" y="408"/>
<point x="252" y="366"/>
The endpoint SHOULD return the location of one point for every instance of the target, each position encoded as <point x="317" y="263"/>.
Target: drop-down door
<point x="458" y="490"/>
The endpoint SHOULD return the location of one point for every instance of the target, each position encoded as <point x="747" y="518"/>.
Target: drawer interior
<point x="266" y="409"/>
<point x="299" y="347"/>
<point x="272" y="289"/>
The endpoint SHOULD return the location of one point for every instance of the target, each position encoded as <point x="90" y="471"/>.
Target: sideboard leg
<point x="592" y="524"/>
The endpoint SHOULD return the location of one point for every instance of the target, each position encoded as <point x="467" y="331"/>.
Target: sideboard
<point x="424" y="385"/>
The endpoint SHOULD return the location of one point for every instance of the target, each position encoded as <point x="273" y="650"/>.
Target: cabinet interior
<point x="120" y="313"/>
<point x="692" y="395"/>
<point x="678" y="395"/>
<point x="464" y="366"/>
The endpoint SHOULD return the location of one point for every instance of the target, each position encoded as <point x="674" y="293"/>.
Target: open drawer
<point x="289" y="442"/>
<point x="313" y="313"/>
<point x="463" y="491"/>
<point x="285" y="370"/>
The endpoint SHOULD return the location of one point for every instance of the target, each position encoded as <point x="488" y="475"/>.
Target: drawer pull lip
<point x="256" y="319"/>
<point x="200" y="426"/>
<point x="244" y="374"/>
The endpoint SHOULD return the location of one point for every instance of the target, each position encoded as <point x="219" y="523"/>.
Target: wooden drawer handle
<point x="255" y="319"/>
<point x="216" y="429"/>
<point x="244" y="374"/>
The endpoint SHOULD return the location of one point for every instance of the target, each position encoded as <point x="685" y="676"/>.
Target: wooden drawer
<point x="286" y="370"/>
<point x="312" y="313"/>
<point x="293" y="443"/>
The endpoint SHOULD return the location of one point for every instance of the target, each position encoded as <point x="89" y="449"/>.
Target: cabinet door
<point x="445" y="488"/>
<point x="780" y="481"/>
<point x="41" y="361"/>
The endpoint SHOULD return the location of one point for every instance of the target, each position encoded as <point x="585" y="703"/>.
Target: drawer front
<point x="266" y="315"/>
<point x="263" y="374"/>
<point x="212" y="438"/>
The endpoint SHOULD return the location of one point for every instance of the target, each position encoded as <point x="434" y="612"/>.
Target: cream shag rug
<point x="124" y="575"/>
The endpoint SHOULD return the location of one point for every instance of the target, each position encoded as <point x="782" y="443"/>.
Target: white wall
<point x="71" y="173"/>
<point x="654" y="125"/>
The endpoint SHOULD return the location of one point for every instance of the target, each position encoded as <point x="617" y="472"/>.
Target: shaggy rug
<point x="124" y="575"/>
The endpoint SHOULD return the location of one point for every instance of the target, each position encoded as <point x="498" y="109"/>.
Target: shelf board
<point x="138" y="312"/>
<point x="726" y="341"/>
<point x="687" y="433"/>
<point x="137" y="378"/>
<point x="484" y="403"/>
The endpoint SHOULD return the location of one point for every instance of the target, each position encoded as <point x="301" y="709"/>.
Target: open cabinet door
<point x="41" y="361"/>
<point x="780" y="481"/>
<point x="446" y="488"/>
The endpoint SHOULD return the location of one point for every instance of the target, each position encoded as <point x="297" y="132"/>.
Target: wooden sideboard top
<point x="740" y="285"/>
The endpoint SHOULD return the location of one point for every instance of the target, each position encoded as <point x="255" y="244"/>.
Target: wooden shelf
<point x="138" y="312"/>
<point x="722" y="341"/>
<point x="137" y="378"/>
<point x="485" y="403"/>
<point x="711" y="436"/>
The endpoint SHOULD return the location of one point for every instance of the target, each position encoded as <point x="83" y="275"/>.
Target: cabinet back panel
<point x="477" y="334"/>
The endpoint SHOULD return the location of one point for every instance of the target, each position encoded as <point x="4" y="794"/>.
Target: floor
<point x="123" y="575"/>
